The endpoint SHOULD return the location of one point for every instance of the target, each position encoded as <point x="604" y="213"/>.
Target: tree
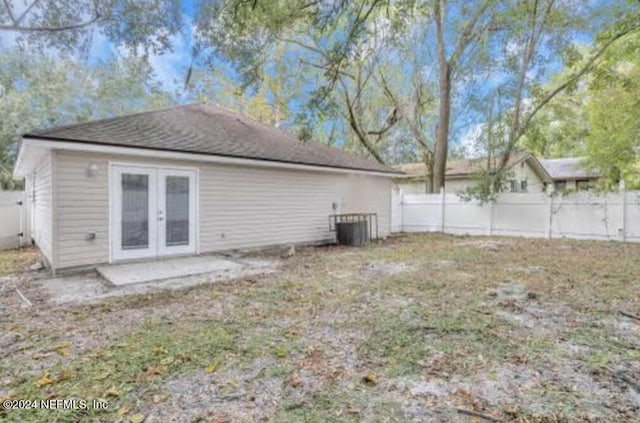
<point x="268" y="101"/>
<point x="552" y="21"/>
<point x="475" y="19"/>
<point x="613" y="115"/>
<point x="336" y="46"/>
<point x="68" y="24"/>
<point x="39" y="92"/>
<point x="546" y="34"/>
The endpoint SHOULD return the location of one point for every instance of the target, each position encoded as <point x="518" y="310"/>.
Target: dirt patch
<point x="486" y="244"/>
<point x="408" y="330"/>
<point x="382" y="268"/>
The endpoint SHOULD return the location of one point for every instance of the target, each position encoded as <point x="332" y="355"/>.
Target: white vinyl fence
<point x="580" y="215"/>
<point x="13" y="219"/>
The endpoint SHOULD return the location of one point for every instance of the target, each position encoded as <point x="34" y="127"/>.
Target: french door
<point x="153" y="212"/>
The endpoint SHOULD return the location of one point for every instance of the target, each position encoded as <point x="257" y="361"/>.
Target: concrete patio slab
<point x="147" y="271"/>
<point x="91" y="288"/>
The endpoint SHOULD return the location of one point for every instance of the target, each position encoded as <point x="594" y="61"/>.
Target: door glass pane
<point x="177" y="207"/>
<point x="135" y="211"/>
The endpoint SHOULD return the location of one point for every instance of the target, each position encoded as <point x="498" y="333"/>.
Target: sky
<point x="170" y="67"/>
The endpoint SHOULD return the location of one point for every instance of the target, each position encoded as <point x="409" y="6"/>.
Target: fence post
<point x="623" y="194"/>
<point x="401" y="210"/>
<point x="550" y="190"/>
<point x="442" y="208"/>
<point x="491" y="217"/>
<point x="23" y="217"/>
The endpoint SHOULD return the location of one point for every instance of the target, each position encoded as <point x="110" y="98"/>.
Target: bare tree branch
<point x="9" y="11"/>
<point x="17" y="26"/>
<point x="468" y="33"/>
<point x="27" y="10"/>
<point x="325" y="68"/>
<point x="574" y="77"/>
<point x="353" y="122"/>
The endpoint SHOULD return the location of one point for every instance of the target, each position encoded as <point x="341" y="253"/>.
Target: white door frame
<point x="115" y="208"/>
<point x="115" y="219"/>
<point x="190" y="248"/>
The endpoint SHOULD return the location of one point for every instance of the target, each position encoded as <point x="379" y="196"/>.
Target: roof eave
<point x="81" y="145"/>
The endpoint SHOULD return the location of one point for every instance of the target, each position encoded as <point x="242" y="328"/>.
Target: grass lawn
<point x="419" y="328"/>
<point x="14" y="261"/>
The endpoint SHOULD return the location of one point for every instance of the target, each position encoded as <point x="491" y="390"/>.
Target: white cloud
<point x="8" y="40"/>
<point x="170" y="67"/>
<point x="469" y="141"/>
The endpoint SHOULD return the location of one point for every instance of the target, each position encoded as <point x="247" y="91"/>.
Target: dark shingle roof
<point x="569" y="168"/>
<point x="204" y="129"/>
<point x="459" y="167"/>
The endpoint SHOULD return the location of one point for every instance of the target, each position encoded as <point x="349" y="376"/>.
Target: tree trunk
<point x="428" y="186"/>
<point x="442" y="134"/>
<point x="427" y="157"/>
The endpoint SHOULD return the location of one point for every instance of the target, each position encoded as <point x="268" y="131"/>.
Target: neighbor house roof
<point x="204" y="129"/>
<point x="569" y="168"/>
<point x="462" y="168"/>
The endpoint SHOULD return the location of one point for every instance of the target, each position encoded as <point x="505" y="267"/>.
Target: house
<point x="571" y="174"/>
<point x="187" y="180"/>
<point x="526" y="174"/>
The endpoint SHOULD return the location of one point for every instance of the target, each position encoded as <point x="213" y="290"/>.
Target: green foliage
<point x="38" y="92"/>
<point x="340" y="55"/>
<point x="560" y="129"/>
<point x="599" y="119"/>
<point x="613" y="113"/>
<point x="68" y="25"/>
<point x="487" y="186"/>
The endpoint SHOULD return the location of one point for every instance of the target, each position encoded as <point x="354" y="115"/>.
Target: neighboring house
<point x="187" y="180"/>
<point x="570" y="174"/>
<point x="526" y="174"/>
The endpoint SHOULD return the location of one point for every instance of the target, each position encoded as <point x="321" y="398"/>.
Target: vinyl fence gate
<point x="14" y="220"/>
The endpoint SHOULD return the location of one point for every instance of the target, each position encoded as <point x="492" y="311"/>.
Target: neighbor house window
<point x="523" y="186"/>
<point x="583" y="185"/>
<point x="513" y="186"/>
<point x="560" y="185"/>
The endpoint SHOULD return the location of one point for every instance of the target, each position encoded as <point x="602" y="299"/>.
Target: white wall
<point x="12" y="218"/>
<point x="581" y="215"/>
<point x="521" y="172"/>
<point x="240" y="206"/>
<point x="42" y="206"/>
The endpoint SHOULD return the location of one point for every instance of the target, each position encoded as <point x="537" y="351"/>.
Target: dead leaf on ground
<point x="123" y="411"/>
<point x="137" y="418"/>
<point x="155" y="370"/>
<point x="112" y="392"/>
<point x="168" y="360"/>
<point x="157" y="399"/>
<point x="103" y="376"/>
<point x="160" y="350"/>
<point x="45" y="380"/>
<point x="352" y="409"/>
<point x="294" y="381"/>
<point x="370" y="379"/>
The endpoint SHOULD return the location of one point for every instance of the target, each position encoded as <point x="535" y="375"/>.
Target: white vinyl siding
<point x="82" y="207"/>
<point x="239" y="207"/>
<point x="42" y="200"/>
